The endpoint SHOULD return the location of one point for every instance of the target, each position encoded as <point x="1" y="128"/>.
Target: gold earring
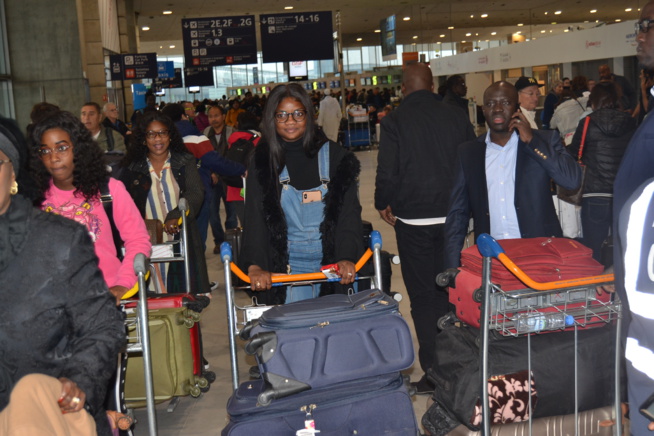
<point x="14" y="188"/>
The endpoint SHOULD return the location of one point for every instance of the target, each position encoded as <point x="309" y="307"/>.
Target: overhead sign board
<point x="216" y="41"/>
<point x="291" y="36"/>
<point x="133" y="66"/>
<point x="165" y="69"/>
<point x="174" y="82"/>
<point x="198" y="76"/>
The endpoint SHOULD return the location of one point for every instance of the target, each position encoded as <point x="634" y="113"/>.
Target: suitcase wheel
<point x="478" y="295"/>
<point x="195" y="391"/>
<point x="201" y="382"/>
<point x="209" y="375"/>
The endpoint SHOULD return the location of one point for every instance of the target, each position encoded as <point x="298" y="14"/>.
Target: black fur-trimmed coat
<point x="265" y="230"/>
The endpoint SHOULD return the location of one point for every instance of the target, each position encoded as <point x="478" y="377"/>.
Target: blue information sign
<point x="218" y="41"/>
<point x="133" y="66"/>
<point x="166" y="69"/>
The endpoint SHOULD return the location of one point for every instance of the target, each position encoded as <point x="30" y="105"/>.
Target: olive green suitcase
<point x="172" y="358"/>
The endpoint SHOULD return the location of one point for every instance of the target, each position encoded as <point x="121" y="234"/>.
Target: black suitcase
<point x="456" y="373"/>
<point x="234" y="236"/>
<point x="365" y="407"/>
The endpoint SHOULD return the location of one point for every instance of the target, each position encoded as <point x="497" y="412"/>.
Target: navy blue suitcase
<point x="365" y="407"/>
<point x="320" y="342"/>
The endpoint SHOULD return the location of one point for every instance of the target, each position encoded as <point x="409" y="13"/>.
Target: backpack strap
<point x="107" y="203"/>
<point x="110" y="138"/>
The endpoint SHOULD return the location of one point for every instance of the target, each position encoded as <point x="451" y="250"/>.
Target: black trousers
<point x="421" y="256"/>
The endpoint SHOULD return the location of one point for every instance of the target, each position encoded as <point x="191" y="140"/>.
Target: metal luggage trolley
<point x="140" y="342"/>
<point x="250" y="313"/>
<point x="358" y="127"/>
<point x="575" y="300"/>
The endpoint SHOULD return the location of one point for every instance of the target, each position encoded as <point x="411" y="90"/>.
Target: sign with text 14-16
<point x="216" y="41"/>
<point x="296" y="36"/>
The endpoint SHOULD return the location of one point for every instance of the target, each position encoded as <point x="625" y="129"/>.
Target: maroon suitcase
<point x="543" y="259"/>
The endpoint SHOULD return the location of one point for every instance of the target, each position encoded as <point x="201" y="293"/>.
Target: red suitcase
<point x="194" y="304"/>
<point x="542" y="259"/>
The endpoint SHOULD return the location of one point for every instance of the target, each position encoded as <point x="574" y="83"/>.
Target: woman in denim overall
<point x="299" y="213"/>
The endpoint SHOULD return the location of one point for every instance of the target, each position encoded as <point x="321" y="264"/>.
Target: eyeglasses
<point x="298" y="116"/>
<point x="644" y="25"/>
<point x="152" y="134"/>
<point x="60" y="149"/>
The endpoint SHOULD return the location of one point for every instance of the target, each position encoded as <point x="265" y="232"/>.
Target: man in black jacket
<point x="415" y="171"/>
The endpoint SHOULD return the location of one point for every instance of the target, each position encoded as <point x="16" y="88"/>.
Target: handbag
<point x="573" y="196"/>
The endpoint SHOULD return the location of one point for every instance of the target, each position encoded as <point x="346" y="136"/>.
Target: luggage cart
<point x="250" y="313"/>
<point x="501" y="312"/>
<point x="358" y="127"/>
<point x="140" y="343"/>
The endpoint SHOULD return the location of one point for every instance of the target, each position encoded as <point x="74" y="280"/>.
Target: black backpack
<point x="240" y="151"/>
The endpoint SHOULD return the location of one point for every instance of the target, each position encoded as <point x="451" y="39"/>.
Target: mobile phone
<point x="647" y="408"/>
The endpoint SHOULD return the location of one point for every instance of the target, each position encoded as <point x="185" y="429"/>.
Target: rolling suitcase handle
<point x="489" y="247"/>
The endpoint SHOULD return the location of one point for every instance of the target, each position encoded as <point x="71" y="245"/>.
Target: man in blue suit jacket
<point x="503" y="177"/>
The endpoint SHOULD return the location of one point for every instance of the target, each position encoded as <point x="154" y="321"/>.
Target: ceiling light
<point x="557" y="13"/>
<point x="542" y="31"/>
<point x="463" y="42"/>
<point x="520" y="24"/>
<point x="628" y="10"/>
<point x="592" y="11"/>
<point x="472" y="16"/>
<point x="493" y="33"/>
<point x="359" y="39"/>
<point x="442" y="35"/>
<point x="288" y="7"/>
<point x="406" y="18"/>
<point x="171" y="46"/>
<point x="518" y="32"/>
<point x="415" y="36"/>
<point x="553" y="22"/>
<point x="161" y="46"/>
<point x="468" y="34"/>
<point x="566" y="30"/>
<point x="438" y="42"/>
<point x="377" y="31"/>
<point x="167" y="12"/>
<point x="546" y="13"/>
<point x="145" y="28"/>
<point x="484" y="15"/>
<point x="450" y="28"/>
<point x="618" y="20"/>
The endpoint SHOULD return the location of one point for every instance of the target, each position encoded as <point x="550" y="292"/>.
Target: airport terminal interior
<point x="61" y="52"/>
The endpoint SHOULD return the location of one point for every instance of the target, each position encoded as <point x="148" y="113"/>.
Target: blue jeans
<point x="231" y="221"/>
<point x="596" y="219"/>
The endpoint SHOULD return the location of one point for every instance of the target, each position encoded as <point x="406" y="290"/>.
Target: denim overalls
<point x="303" y="220"/>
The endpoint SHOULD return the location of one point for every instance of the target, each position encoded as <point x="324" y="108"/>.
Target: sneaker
<point x="423" y="386"/>
<point x="213" y="285"/>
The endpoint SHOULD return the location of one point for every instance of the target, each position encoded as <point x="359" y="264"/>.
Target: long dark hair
<point x="137" y="149"/>
<point x="604" y="95"/>
<point x="311" y="142"/>
<point x="89" y="173"/>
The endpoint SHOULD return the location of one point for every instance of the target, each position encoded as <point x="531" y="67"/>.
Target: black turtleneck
<point x="302" y="170"/>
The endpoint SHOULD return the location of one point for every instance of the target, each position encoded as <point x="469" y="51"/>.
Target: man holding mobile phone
<point x="503" y="177"/>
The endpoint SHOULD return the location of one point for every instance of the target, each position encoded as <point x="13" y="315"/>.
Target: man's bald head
<point x="507" y="88"/>
<point x="417" y="77"/>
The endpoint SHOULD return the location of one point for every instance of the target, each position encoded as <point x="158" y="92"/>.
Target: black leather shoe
<point x="423" y="386"/>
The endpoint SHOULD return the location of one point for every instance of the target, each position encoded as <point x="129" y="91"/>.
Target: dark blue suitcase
<point x="320" y="342"/>
<point x="371" y="406"/>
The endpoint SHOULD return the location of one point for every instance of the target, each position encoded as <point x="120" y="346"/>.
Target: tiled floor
<point x="206" y="415"/>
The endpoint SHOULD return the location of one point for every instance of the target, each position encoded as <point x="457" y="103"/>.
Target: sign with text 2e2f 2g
<point x="219" y="41"/>
<point x="296" y="36"/>
<point x="133" y="66"/>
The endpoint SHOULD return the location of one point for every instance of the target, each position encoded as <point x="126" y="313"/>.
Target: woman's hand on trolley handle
<point x="347" y="271"/>
<point x="260" y="280"/>
<point x="72" y="398"/>
<point x="118" y="292"/>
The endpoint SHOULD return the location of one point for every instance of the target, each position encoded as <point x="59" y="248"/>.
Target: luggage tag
<point x="331" y="272"/>
<point x="309" y="424"/>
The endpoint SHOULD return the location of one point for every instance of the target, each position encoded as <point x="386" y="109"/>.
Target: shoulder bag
<point x="573" y="196"/>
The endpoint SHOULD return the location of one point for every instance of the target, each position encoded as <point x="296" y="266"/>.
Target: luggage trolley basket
<point x="553" y="306"/>
<point x="241" y="316"/>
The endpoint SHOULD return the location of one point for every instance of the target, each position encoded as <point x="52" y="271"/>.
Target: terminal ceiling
<point x="430" y="21"/>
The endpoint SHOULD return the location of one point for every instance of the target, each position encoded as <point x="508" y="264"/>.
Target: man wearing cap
<point x="528" y="94"/>
<point x="503" y="177"/>
<point x="329" y="116"/>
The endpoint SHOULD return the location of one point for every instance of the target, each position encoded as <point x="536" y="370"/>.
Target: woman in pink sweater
<point x="68" y="167"/>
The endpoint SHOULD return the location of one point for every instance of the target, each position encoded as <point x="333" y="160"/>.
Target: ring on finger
<point x="349" y="274"/>
<point x="258" y="284"/>
<point x="75" y="401"/>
